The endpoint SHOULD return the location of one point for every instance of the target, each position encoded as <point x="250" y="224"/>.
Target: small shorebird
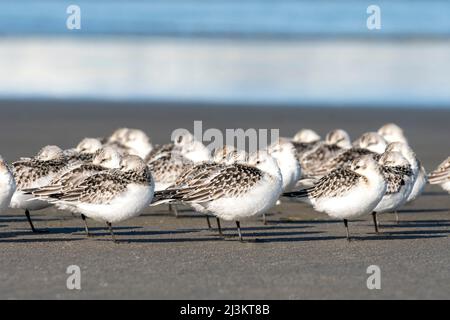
<point x="305" y="140"/>
<point x="166" y="168"/>
<point x="7" y="185"/>
<point x="84" y="151"/>
<point x="235" y="192"/>
<point x="370" y="143"/>
<point x="105" y="159"/>
<point x="347" y="192"/>
<point x="112" y="196"/>
<point x="130" y="142"/>
<point x="168" y="162"/>
<point x="285" y="154"/>
<point x="306" y="136"/>
<point x="392" y="133"/>
<point x="399" y="180"/>
<point x="336" y="141"/>
<point x="419" y="173"/>
<point x="441" y="175"/>
<point x="195" y="174"/>
<point x="34" y="173"/>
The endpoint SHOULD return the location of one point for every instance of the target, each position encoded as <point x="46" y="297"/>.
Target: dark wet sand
<point x="300" y="254"/>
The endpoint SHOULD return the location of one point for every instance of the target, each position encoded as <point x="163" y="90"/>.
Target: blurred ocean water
<point x="258" y="51"/>
<point x="227" y="18"/>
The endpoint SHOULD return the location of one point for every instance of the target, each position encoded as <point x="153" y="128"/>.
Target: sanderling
<point x="370" y="143"/>
<point x="130" y="142"/>
<point x="185" y="144"/>
<point x="392" y="133"/>
<point x="172" y="160"/>
<point x="335" y="142"/>
<point x="167" y="168"/>
<point x="158" y="151"/>
<point x="84" y="151"/>
<point x="34" y="173"/>
<point x="399" y="178"/>
<point x="306" y="136"/>
<point x="191" y="148"/>
<point x="347" y="192"/>
<point x="236" y="191"/>
<point x="196" y="173"/>
<point x="112" y="196"/>
<point x="420" y="176"/>
<point x="441" y="175"/>
<point x="285" y="154"/>
<point x="419" y="184"/>
<point x="104" y="159"/>
<point x="305" y="140"/>
<point x="7" y="185"/>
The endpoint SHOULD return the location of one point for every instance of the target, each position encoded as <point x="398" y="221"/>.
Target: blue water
<point x="227" y="18"/>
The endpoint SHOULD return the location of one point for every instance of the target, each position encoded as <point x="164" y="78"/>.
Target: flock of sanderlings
<point x="114" y="179"/>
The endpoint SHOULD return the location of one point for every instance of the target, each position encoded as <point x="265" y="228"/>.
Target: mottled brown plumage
<point x="336" y="183"/>
<point x="103" y="187"/>
<point x="72" y="177"/>
<point x="168" y="167"/>
<point x="228" y="181"/>
<point x="27" y="172"/>
<point x="396" y="177"/>
<point x="159" y="150"/>
<point x="441" y="174"/>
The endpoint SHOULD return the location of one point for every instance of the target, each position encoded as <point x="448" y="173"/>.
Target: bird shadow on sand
<point x="418" y="232"/>
<point x="424" y="210"/>
<point x="20" y="219"/>
<point x="162" y="240"/>
<point x="105" y="233"/>
<point x="246" y="232"/>
<point x="263" y="228"/>
<point x="417" y="224"/>
<point x="299" y="239"/>
<point x="166" y="213"/>
<point x="306" y="221"/>
<point x="35" y="240"/>
<point x="396" y="236"/>
<point x="53" y="231"/>
<point x="435" y="193"/>
<point x="257" y="237"/>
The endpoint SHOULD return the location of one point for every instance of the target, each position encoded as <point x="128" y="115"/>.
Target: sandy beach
<point x="300" y="254"/>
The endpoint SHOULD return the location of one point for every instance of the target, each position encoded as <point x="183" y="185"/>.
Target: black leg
<point x="264" y="219"/>
<point x="208" y="222"/>
<point x="238" y="225"/>
<point x="346" y="228"/>
<point x="397" y="220"/>
<point x="86" y="228"/>
<point x="375" y="222"/>
<point x="219" y="227"/>
<point x="111" y="231"/>
<point x="27" y="214"/>
<point x="173" y="208"/>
